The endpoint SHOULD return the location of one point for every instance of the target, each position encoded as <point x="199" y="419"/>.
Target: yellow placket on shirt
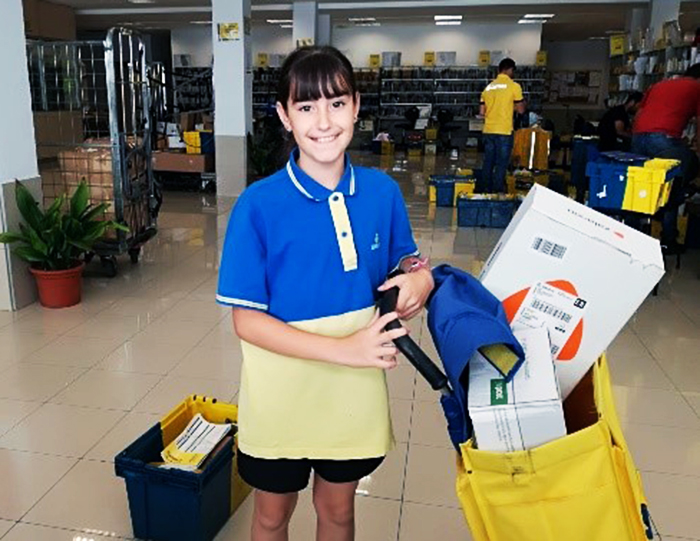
<point x="343" y="231"/>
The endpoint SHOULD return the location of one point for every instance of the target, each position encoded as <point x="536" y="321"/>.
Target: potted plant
<point x="54" y="242"/>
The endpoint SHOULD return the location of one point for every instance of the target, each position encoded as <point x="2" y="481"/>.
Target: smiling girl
<point x="306" y="252"/>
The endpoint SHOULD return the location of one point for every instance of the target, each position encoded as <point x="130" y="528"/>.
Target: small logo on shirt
<point x="376" y="244"/>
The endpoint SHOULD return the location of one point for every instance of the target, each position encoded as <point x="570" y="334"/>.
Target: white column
<point x="17" y="151"/>
<point x="323" y="30"/>
<point x="663" y="11"/>
<point x="305" y="23"/>
<point x="636" y="25"/>
<point x="233" y="92"/>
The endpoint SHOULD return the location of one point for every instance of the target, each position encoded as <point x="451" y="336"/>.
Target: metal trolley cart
<point x="91" y="103"/>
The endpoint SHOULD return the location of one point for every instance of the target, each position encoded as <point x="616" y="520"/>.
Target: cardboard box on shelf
<point x="183" y="163"/>
<point x="188" y="120"/>
<point x="579" y="272"/>
<point x="524" y="413"/>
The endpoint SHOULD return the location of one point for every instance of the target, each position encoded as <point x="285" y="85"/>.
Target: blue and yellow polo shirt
<point x="313" y="258"/>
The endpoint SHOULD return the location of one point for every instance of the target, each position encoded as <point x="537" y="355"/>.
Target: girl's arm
<point x="415" y="286"/>
<point x="368" y="347"/>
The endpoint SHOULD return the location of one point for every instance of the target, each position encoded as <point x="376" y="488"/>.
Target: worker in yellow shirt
<point x="498" y="101"/>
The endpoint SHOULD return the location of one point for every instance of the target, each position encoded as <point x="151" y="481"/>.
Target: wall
<point x="17" y="150"/>
<point x="412" y="40"/>
<point x="523" y="41"/>
<point x="194" y="40"/>
<point x="578" y="55"/>
<point x="271" y="39"/>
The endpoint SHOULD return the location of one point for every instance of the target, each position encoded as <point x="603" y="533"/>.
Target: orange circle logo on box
<point x="512" y="304"/>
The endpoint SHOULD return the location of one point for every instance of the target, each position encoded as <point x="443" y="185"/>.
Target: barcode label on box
<point x="551" y="307"/>
<point x="548" y="247"/>
<point x="551" y="310"/>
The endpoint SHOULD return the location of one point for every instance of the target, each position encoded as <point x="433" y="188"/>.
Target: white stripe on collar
<point x="291" y="174"/>
<point x="293" y="177"/>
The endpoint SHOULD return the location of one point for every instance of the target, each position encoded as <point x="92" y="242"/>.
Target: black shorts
<point x="285" y="475"/>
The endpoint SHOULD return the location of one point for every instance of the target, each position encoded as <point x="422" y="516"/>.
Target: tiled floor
<point x="78" y="385"/>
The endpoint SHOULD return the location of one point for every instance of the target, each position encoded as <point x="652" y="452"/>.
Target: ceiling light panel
<point x="448" y="17"/>
<point x="448" y="23"/>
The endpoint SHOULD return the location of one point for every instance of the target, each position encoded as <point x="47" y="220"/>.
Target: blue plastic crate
<point x="608" y="182"/>
<point x="175" y="505"/>
<point x="623" y="157"/>
<point x="445" y="191"/>
<point x="494" y="213"/>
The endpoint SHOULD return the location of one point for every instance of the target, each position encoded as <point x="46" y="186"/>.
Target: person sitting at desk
<point x="615" y="128"/>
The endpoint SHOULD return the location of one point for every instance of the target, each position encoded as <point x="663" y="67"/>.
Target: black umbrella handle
<point x="405" y="344"/>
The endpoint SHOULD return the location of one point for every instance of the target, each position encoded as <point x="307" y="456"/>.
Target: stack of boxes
<point x="625" y="182"/>
<point x="93" y="164"/>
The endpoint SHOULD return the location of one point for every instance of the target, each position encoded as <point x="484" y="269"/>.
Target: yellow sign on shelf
<point x="375" y="61"/>
<point x="484" y="58"/>
<point x="541" y="59"/>
<point x="617" y="44"/>
<point x="228" y="32"/>
<point x="429" y="58"/>
<point x="263" y="60"/>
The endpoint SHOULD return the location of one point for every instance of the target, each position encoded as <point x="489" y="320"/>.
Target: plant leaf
<point x="79" y="201"/>
<point x="27" y="205"/>
<point x="27" y="253"/>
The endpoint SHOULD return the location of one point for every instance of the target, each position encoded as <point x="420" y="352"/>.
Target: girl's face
<point x="322" y="128"/>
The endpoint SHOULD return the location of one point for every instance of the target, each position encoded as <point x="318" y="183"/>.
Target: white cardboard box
<point x="575" y="270"/>
<point x="523" y="413"/>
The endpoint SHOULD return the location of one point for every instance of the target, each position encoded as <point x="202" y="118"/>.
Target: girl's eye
<point x="338" y="104"/>
<point x="305" y="108"/>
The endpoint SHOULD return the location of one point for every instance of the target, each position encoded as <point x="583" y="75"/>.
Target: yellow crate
<point x="431" y="134"/>
<point x="463" y="172"/>
<point x="666" y="193"/>
<point x="644" y="190"/>
<point x="465" y="187"/>
<point x="432" y="194"/>
<point x="387" y="148"/>
<point x="193" y="142"/>
<point x="661" y="163"/>
<point x="415" y="152"/>
<point x="175" y="422"/>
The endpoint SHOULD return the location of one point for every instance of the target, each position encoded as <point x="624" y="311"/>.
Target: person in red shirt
<point x="665" y="112"/>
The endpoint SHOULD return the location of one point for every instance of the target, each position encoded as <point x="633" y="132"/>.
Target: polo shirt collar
<point x="314" y="190"/>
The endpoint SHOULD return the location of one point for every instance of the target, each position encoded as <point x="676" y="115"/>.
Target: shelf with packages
<point x="264" y="90"/>
<point x="449" y="87"/>
<point x="637" y="70"/>
<point x="194" y="89"/>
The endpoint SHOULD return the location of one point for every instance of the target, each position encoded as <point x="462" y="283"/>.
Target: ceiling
<point x="572" y="21"/>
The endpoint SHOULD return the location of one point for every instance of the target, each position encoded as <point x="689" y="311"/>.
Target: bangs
<point x="319" y="76"/>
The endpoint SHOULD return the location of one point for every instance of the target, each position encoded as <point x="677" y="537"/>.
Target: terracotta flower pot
<point x="59" y="289"/>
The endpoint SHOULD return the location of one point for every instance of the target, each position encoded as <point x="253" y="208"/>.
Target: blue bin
<point x="175" y="505"/>
<point x="608" y="182"/>
<point x="493" y="213"/>
<point x="206" y="141"/>
<point x="623" y="157"/>
<point x="444" y="190"/>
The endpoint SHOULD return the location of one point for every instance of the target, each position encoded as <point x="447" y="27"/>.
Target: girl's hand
<point x="371" y="347"/>
<point x="414" y="289"/>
